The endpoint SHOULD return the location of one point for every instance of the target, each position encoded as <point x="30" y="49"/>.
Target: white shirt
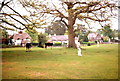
<point x="77" y="44"/>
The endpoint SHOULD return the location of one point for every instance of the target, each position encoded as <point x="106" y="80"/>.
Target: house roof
<point x="22" y="35"/>
<point x="59" y="38"/>
<point x="93" y="34"/>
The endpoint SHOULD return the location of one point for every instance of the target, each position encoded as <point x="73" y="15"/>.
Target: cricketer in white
<point x="78" y="47"/>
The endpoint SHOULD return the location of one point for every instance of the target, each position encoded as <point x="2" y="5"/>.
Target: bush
<point x="16" y="46"/>
<point x="58" y="44"/>
<point x="35" y="44"/>
<point x="42" y="39"/>
<point x="3" y="45"/>
<point x="92" y="42"/>
<point x="89" y="44"/>
<point x="105" y="39"/>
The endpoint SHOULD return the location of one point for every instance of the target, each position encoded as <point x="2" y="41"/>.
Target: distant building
<point x="21" y="38"/>
<point x="94" y="36"/>
<point x="59" y="38"/>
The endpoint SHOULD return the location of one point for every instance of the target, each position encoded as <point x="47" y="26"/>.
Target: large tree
<point x="70" y="11"/>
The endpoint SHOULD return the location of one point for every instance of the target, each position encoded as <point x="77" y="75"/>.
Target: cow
<point x="28" y="46"/>
<point x="48" y="44"/>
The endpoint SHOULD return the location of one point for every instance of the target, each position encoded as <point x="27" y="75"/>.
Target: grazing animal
<point x="48" y="44"/>
<point x="28" y="46"/>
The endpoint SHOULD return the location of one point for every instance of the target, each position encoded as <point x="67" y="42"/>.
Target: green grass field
<point x="61" y="63"/>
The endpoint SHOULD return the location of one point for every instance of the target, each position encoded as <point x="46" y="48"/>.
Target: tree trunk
<point x="71" y="22"/>
<point x="71" y="40"/>
<point x="71" y="34"/>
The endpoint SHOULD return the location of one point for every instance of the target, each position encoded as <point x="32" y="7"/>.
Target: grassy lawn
<point x="61" y="63"/>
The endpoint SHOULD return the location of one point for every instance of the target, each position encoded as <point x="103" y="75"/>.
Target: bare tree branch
<point x="17" y="13"/>
<point x="11" y="24"/>
<point x="64" y="22"/>
<point x="6" y="27"/>
<point x="4" y="4"/>
<point x="18" y="21"/>
<point x="80" y="3"/>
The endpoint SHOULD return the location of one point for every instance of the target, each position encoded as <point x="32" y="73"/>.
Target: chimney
<point x="20" y="32"/>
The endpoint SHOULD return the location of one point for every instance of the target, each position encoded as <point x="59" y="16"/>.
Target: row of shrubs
<point x="56" y="44"/>
<point x="33" y="44"/>
<point x="37" y="44"/>
<point x="8" y="46"/>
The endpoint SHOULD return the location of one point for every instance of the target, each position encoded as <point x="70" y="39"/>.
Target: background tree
<point x="4" y="37"/>
<point x="33" y="35"/>
<point x="82" y="32"/>
<point x="68" y="12"/>
<point x="57" y="28"/>
<point x="114" y="34"/>
<point x="107" y="31"/>
<point x="118" y="35"/>
<point x="3" y="33"/>
<point x="84" y="36"/>
<point x="42" y="39"/>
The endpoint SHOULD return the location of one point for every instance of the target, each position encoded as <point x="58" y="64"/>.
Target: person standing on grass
<point x="98" y="43"/>
<point x="28" y="45"/>
<point x="78" y="47"/>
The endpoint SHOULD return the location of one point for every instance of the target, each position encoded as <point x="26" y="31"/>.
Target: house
<point x="59" y="38"/>
<point x="94" y="36"/>
<point x="20" y="38"/>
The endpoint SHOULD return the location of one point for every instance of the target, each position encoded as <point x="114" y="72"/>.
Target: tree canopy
<point x="13" y="15"/>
